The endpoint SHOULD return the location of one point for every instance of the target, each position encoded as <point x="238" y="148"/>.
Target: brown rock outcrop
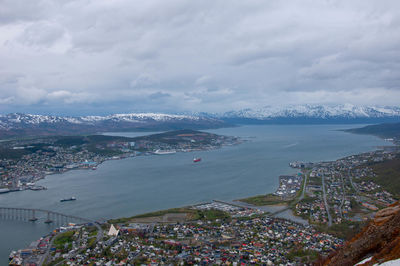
<point x="379" y="240"/>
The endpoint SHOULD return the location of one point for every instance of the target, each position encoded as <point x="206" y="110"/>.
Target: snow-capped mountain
<point x="17" y="124"/>
<point x="140" y="117"/>
<point x="17" y="119"/>
<point x="346" y="111"/>
<point x="29" y="124"/>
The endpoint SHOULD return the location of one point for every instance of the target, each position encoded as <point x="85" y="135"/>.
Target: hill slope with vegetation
<point x="387" y="130"/>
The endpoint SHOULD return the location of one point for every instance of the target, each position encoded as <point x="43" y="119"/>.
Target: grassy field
<point x="63" y="239"/>
<point x="345" y="230"/>
<point x="301" y="255"/>
<point x="192" y="214"/>
<point x="150" y="214"/>
<point x="211" y="215"/>
<point x="271" y="199"/>
<point x="268" y="199"/>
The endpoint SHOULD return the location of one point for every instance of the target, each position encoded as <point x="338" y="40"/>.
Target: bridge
<point x="33" y="215"/>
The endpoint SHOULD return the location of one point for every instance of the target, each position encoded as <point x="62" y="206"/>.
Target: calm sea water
<point x="142" y="184"/>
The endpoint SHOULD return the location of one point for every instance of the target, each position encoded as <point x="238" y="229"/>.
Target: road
<point x="304" y="185"/>
<point x="99" y="232"/>
<point x="43" y="258"/>
<point x="354" y="187"/>
<point x="343" y="198"/>
<point x="326" y="202"/>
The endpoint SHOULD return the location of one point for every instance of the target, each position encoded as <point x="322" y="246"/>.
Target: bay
<point x="121" y="188"/>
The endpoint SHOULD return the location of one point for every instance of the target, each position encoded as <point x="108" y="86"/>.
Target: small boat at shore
<point x="196" y="160"/>
<point x="68" y="199"/>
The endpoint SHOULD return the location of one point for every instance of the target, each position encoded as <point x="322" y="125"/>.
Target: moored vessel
<point x="68" y="199"/>
<point x="164" y="152"/>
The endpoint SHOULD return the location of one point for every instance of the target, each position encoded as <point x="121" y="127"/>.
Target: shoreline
<point x="92" y="165"/>
<point x="286" y="204"/>
<point x="280" y="205"/>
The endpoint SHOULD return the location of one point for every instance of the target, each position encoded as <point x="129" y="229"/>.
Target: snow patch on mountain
<point x="17" y="120"/>
<point x="345" y="111"/>
<point x="316" y="111"/>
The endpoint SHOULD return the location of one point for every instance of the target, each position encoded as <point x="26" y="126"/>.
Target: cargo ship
<point x="196" y="160"/>
<point x="68" y="199"/>
<point x="164" y="152"/>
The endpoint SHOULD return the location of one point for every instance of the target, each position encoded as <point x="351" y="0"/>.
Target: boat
<point x="196" y="160"/>
<point x="164" y="152"/>
<point x="68" y="199"/>
<point x="37" y="188"/>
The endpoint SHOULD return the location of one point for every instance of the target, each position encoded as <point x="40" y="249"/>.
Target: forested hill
<point x="387" y="130"/>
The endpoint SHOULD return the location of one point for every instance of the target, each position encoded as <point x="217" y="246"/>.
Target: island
<point x="25" y="161"/>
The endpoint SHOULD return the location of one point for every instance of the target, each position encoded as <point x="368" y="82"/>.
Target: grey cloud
<point x="203" y="80"/>
<point x="144" y="80"/>
<point x="201" y="56"/>
<point x="159" y="95"/>
<point x="41" y="33"/>
<point x="15" y="11"/>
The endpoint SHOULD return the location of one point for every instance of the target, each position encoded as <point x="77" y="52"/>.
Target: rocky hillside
<point x="379" y="242"/>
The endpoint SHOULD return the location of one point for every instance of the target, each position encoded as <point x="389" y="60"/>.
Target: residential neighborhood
<point x="344" y="190"/>
<point x="233" y="239"/>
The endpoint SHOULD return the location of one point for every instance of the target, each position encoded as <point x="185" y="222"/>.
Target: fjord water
<point x="131" y="186"/>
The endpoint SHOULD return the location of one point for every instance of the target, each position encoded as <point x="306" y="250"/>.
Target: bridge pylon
<point x="48" y="221"/>
<point x="33" y="217"/>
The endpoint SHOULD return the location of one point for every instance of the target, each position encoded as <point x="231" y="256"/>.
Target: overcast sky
<point x="108" y="56"/>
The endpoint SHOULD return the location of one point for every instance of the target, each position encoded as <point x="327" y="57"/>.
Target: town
<point x="344" y="190"/>
<point x="335" y="198"/>
<point x="24" y="162"/>
<point x="212" y="233"/>
<point x="339" y="196"/>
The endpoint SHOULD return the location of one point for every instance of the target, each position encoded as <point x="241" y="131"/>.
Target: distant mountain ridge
<point x="18" y="124"/>
<point x="16" y="119"/>
<point x="308" y="113"/>
<point x="317" y="111"/>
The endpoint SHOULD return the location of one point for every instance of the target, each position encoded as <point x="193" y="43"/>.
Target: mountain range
<point x="307" y="113"/>
<point x="18" y="124"/>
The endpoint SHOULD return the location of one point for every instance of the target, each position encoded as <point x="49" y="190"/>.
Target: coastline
<point x="289" y="205"/>
<point x="278" y="205"/>
<point x="92" y="165"/>
<point x="272" y="205"/>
